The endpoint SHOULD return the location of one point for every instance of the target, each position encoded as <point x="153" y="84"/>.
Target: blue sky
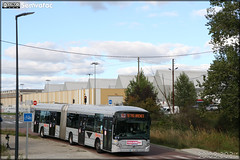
<point x="136" y="29"/>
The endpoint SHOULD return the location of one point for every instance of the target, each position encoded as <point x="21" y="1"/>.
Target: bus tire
<point x="42" y="133"/>
<point x="98" y="146"/>
<point x="70" y="139"/>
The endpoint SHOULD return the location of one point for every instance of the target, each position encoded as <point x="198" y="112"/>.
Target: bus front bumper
<point x="123" y="146"/>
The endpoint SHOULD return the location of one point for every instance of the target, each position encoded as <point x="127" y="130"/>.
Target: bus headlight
<point x="148" y="144"/>
<point x="147" y="148"/>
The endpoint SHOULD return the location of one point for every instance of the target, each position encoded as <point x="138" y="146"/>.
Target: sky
<point x="111" y="33"/>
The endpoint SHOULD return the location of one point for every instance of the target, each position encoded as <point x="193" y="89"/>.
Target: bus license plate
<point x="137" y="143"/>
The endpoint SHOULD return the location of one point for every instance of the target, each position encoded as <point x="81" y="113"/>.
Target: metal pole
<point x="47" y="90"/>
<point x="89" y="89"/>
<point x="94" y="63"/>
<point x="27" y="142"/>
<point x="95" y="84"/>
<point x="17" y="100"/>
<point x="173" y="83"/>
<point x="17" y="94"/>
<point x="138" y="69"/>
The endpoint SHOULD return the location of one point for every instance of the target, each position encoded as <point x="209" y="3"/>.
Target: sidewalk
<point x="209" y="155"/>
<point x="51" y="149"/>
<point x="204" y="154"/>
<point x="61" y="150"/>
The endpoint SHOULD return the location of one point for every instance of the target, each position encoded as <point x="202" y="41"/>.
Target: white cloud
<point x="157" y="3"/>
<point x="84" y="68"/>
<point x="28" y="53"/>
<point x="51" y="65"/>
<point x="145" y="7"/>
<point x="34" y="82"/>
<point x="203" y="12"/>
<point x="208" y="45"/>
<point x="97" y="6"/>
<point x="151" y="70"/>
<point x="32" y="68"/>
<point x="141" y="49"/>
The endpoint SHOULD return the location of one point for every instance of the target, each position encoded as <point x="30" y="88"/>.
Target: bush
<point x="209" y="140"/>
<point x="194" y="128"/>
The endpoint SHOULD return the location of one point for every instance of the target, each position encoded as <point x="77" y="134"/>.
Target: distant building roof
<point x="12" y="93"/>
<point x="193" y="75"/>
<point x="101" y="83"/>
<point x="68" y="86"/>
<point x="124" y="80"/>
<point x="53" y="87"/>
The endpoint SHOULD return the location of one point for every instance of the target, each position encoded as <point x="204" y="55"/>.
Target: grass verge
<point x="2" y="113"/>
<point x="12" y="132"/>
<point x="211" y="140"/>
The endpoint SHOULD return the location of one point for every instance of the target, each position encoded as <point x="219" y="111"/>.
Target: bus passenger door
<point x="36" y="121"/>
<point x="107" y="133"/>
<point x="81" y="129"/>
<point x="52" y="123"/>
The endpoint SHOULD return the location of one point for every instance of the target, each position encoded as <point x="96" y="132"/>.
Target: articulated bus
<point x="107" y="128"/>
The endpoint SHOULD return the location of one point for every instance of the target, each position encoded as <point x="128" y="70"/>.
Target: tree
<point x="223" y="75"/>
<point x="185" y="92"/>
<point x="142" y="94"/>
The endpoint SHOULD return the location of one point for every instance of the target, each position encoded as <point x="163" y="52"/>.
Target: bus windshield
<point x="132" y="128"/>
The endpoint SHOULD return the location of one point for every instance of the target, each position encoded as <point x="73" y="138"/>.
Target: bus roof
<point x="102" y="109"/>
<point x="89" y="109"/>
<point x="49" y="107"/>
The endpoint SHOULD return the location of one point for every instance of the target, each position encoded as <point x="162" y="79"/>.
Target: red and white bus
<point x="107" y="128"/>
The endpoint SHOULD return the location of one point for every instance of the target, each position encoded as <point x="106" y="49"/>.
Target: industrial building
<point x="107" y="90"/>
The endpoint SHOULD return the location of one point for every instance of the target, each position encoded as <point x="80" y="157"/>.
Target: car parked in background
<point x="167" y="110"/>
<point x="212" y="107"/>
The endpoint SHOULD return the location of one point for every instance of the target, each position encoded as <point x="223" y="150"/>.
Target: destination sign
<point x="132" y="115"/>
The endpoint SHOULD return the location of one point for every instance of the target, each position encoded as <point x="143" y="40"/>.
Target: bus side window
<point x="37" y="115"/>
<point x="47" y="117"/>
<point x="42" y="116"/>
<point x="72" y="120"/>
<point x="98" y="122"/>
<point x="90" y="123"/>
<point x="58" y="118"/>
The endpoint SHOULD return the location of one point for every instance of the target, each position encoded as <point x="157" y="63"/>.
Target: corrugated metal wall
<point x="66" y="97"/>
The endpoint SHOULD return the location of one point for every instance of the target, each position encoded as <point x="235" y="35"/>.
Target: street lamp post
<point x="94" y="63"/>
<point x="89" y="88"/>
<point x="173" y="82"/>
<point x="21" y="92"/>
<point x="48" y="80"/>
<point x="17" y="94"/>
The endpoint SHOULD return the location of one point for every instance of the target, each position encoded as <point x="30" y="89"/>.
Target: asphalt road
<point x="52" y="148"/>
<point x="9" y="122"/>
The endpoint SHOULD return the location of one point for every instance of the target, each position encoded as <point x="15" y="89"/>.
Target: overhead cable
<point x="110" y="56"/>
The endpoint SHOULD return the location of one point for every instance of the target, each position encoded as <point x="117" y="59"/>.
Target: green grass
<point x="211" y="140"/>
<point x="12" y="132"/>
<point x="3" y="148"/>
<point x="8" y="113"/>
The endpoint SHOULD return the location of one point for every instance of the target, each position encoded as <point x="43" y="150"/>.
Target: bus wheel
<point x="98" y="146"/>
<point x="70" y="139"/>
<point x="42" y="133"/>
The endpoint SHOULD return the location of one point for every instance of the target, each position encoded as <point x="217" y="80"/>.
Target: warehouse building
<point x="107" y="90"/>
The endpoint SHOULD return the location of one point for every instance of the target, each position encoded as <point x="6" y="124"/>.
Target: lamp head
<point x="24" y="14"/>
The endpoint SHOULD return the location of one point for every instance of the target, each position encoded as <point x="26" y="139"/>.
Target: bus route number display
<point x="132" y="115"/>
